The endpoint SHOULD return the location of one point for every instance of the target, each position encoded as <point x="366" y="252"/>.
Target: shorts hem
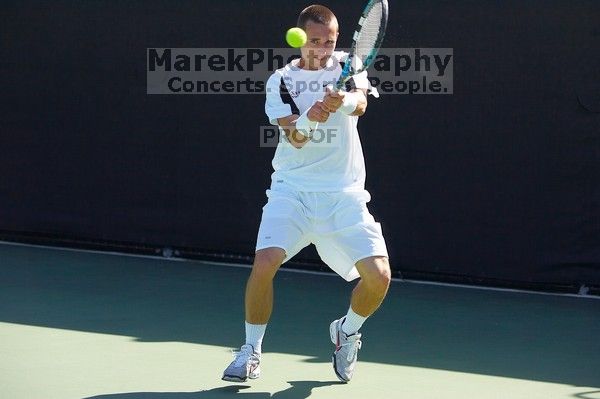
<point x="259" y="247"/>
<point x="370" y="255"/>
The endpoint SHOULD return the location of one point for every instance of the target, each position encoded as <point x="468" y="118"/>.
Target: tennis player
<point x="317" y="195"/>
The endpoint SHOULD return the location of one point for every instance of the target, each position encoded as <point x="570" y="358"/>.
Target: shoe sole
<point x="235" y="378"/>
<point x="333" y="333"/>
<point x="336" y="372"/>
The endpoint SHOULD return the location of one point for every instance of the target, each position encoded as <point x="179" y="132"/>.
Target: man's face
<point x="320" y="44"/>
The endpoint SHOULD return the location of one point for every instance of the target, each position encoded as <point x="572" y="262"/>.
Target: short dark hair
<point x="316" y="13"/>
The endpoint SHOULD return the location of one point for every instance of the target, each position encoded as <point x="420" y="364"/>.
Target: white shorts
<point x="339" y="224"/>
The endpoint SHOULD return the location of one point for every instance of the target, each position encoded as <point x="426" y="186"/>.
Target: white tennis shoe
<point x="246" y="364"/>
<point x="346" y="350"/>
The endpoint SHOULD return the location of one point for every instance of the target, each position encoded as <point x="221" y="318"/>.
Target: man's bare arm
<point x="316" y="113"/>
<point x="288" y="124"/>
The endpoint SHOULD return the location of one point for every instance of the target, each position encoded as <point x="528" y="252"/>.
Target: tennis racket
<point x="367" y="40"/>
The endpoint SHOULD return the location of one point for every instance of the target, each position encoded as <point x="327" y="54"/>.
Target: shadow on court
<point x="588" y="395"/>
<point x="532" y="337"/>
<point x="297" y="390"/>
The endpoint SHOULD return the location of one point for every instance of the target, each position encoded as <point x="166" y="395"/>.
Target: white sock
<point x="254" y="335"/>
<point x="353" y="322"/>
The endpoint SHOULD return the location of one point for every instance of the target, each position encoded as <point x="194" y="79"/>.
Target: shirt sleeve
<point x="361" y="81"/>
<point x="274" y="106"/>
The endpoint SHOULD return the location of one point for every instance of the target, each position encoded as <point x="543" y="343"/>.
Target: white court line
<point x="247" y="266"/>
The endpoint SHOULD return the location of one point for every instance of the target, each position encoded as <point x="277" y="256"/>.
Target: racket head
<point x="366" y="41"/>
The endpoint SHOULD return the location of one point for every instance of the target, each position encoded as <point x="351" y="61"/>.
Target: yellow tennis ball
<point x="295" y="37"/>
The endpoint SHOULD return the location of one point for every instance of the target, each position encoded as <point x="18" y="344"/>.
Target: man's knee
<point x="267" y="262"/>
<point x="375" y="272"/>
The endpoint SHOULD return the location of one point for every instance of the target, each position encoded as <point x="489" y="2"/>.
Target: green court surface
<point x="77" y="325"/>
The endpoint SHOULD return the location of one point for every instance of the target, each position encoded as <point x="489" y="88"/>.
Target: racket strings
<point x="368" y="36"/>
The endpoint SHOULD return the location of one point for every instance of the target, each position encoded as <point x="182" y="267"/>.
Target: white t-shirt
<point x="333" y="159"/>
